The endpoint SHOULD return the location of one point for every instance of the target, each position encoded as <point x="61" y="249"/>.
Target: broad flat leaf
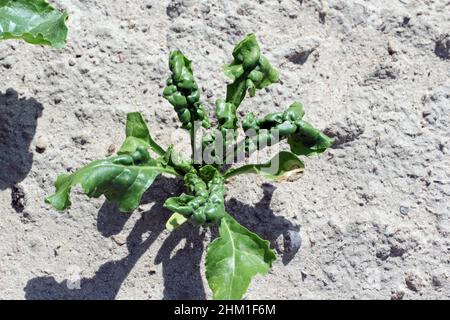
<point x="137" y="134"/>
<point x="234" y="258"/>
<point x="34" y="21"/>
<point x="175" y="221"/>
<point x="283" y="166"/>
<point x="119" y="178"/>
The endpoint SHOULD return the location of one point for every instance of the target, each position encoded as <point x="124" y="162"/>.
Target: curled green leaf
<point x="234" y="258"/>
<point x="34" y="21"/>
<point x="308" y="140"/>
<point x="183" y="93"/>
<point x="285" y="166"/>
<point x="205" y="203"/>
<point x="226" y="115"/>
<point x="249" y="71"/>
<point x="302" y="137"/>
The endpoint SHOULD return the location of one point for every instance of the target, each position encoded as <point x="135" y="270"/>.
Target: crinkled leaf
<point x="183" y="93"/>
<point x="234" y="258"/>
<point x="175" y="221"/>
<point x="34" y="21"/>
<point x="137" y="134"/>
<point x="283" y="166"/>
<point x="294" y="112"/>
<point x="268" y="74"/>
<point x="226" y="114"/>
<point x="180" y="204"/>
<point x="247" y="51"/>
<point x="249" y="71"/>
<point x="119" y="178"/>
<point x="205" y="203"/>
<point x="308" y="140"/>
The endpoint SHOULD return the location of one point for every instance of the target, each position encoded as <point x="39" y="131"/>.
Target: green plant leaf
<point x="137" y="134"/>
<point x="182" y="92"/>
<point x="234" y="258"/>
<point x="283" y="166"/>
<point x="302" y="137"/>
<point x="205" y="203"/>
<point x="226" y="114"/>
<point x="249" y="71"/>
<point x="122" y="179"/>
<point x="34" y="21"/>
<point x="175" y="221"/>
<point x="308" y="140"/>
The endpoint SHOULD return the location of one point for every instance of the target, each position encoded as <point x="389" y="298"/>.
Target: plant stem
<point x="192" y="134"/>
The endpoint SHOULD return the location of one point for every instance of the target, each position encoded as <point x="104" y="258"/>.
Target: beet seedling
<point x="237" y="254"/>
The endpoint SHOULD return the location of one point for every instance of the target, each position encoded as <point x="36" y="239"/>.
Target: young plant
<point x="237" y="254"/>
<point x="34" y="21"/>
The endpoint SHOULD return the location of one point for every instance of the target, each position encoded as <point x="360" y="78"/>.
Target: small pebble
<point x="436" y="281"/>
<point x="292" y="241"/>
<point x="41" y="144"/>
<point x="392" y="48"/>
<point x="413" y="282"/>
<point x="397" y="295"/>
<point x="404" y="210"/>
<point x="119" y="239"/>
<point x="111" y="149"/>
<point x="72" y="62"/>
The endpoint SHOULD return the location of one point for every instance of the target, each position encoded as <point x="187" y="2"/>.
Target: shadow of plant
<point x="283" y="234"/>
<point x="18" y="120"/>
<point x="108" y="279"/>
<point x="181" y="269"/>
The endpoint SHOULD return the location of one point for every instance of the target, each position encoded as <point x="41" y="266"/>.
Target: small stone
<point x="18" y="198"/>
<point x="299" y="50"/>
<point x="41" y="144"/>
<point x="72" y="62"/>
<point x="406" y="20"/>
<point x="119" y="239"/>
<point x="397" y="294"/>
<point x="392" y="48"/>
<point x="279" y="244"/>
<point x="436" y="281"/>
<point x="304" y="275"/>
<point x="111" y="149"/>
<point x="152" y="271"/>
<point x="292" y="241"/>
<point x="404" y="210"/>
<point x="442" y="47"/>
<point x="426" y="113"/>
<point x="413" y="282"/>
<point x="144" y="207"/>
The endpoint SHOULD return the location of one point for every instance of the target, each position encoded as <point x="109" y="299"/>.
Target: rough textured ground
<point x="372" y="214"/>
